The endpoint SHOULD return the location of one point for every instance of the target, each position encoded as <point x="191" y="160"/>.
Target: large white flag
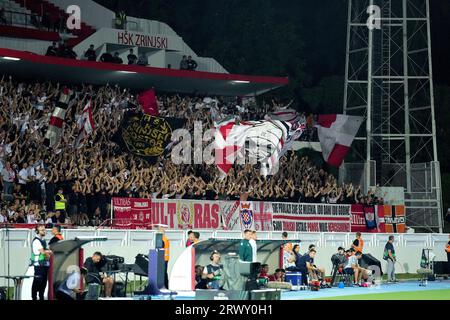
<point x="263" y="141"/>
<point x="86" y="125"/>
<point x="336" y="134"/>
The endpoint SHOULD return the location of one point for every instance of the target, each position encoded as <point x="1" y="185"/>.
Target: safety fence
<point x="21" y="238"/>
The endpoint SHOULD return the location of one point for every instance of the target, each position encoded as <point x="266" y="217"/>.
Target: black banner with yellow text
<point x="146" y="136"/>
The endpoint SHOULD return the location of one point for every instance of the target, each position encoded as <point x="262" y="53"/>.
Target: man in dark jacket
<point x="106" y="57"/>
<point x="94" y="266"/>
<point x="52" y="51"/>
<point x="184" y="63"/>
<point x="117" y="59"/>
<point x="132" y="58"/>
<point x="192" y="64"/>
<point x="339" y="259"/>
<point x="305" y="265"/>
<point x="57" y="236"/>
<point x="90" y="54"/>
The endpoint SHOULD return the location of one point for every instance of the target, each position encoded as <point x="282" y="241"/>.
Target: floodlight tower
<point x="389" y="81"/>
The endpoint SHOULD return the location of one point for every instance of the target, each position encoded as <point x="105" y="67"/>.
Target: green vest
<point x="38" y="259"/>
<point x="245" y="251"/>
<point x="60" y="205"/>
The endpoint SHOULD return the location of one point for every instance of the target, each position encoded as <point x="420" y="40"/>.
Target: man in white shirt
<point x="31" y="171"/>
<point x="40" y="256"/>
<point x="3" y="217"/>
<point x="254" y="246"/>
<point x="352" y="267"/>
<point x="31" y="218"/>
<point x="8" y="176"/>
<point x="68" y="289"/>
<point x="41" y="102"/>
<point x="23" y="178"/>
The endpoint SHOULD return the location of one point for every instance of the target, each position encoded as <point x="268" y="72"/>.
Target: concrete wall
<point x="130" y="243"/>
<point x="30" y="45"/>
<point x="92" y="13"/>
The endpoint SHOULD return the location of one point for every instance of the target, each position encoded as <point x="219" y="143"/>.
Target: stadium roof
<point x="32" y="66"/>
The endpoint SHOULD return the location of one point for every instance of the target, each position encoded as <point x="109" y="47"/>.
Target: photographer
<point x="339" y="259"/>
<point x="213" y="271"/>
<point x="95" y="265"/>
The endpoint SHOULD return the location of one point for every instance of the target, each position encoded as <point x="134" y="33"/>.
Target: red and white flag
<point x="287" y="115"/>
<point x="336" y="134"/>
<point x="55" y="127"/>
<point x="229" y="140"/>
<point x="86" y="125"/>
<point x="262" y="141"/>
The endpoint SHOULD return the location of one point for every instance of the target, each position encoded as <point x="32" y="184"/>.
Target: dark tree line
<point x="304" y="40"/>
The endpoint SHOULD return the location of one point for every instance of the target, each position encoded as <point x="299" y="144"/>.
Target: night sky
<point x="325" y="50"/>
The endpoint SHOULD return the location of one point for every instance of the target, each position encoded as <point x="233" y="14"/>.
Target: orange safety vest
<point x="166" y="248"/>
<point x="359" y="248"/>
<point x="447" y="248"/>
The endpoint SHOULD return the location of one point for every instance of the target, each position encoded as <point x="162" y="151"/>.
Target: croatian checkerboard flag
<point x="336" y="134"/>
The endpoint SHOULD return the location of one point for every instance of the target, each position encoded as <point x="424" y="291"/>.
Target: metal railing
<point x="22" y="19"/>
<point x="127" y="25"/>
<point x="21" y="238"/>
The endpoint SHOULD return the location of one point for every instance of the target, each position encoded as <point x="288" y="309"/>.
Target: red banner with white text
<point x="298" y="217"/>
<point x="131" y="213"/>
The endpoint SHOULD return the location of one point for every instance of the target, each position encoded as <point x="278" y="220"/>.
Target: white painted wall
<point x="157" y="59"/>
<point x="130" y="243"/>
<point x="92" y="13"/>
<point x="30" y="45"/>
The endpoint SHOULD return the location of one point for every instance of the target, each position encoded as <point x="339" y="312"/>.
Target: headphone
<point x="212" y="255"/>
<point x="36" y="229"/>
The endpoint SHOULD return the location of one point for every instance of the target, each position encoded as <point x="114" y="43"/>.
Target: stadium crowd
<point x="87" y="177"/>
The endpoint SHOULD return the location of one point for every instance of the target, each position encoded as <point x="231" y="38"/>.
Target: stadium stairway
<point x="40" y="6"/>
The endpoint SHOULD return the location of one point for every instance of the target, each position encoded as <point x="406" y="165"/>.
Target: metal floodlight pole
<point x="347" y="56"/>
<point x="406" y="95"/>
<point x="430" y="71"/>
<point x="437" y="171"/>
<point x="369" y="108"/>
<point x="389" y="82"/>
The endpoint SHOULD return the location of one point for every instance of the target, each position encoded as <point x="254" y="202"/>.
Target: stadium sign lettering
<point x="239" y="215"/>
<point x="181" y="214"/>
<point x="395" y="220"/>
<point x="140" y="40"/>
